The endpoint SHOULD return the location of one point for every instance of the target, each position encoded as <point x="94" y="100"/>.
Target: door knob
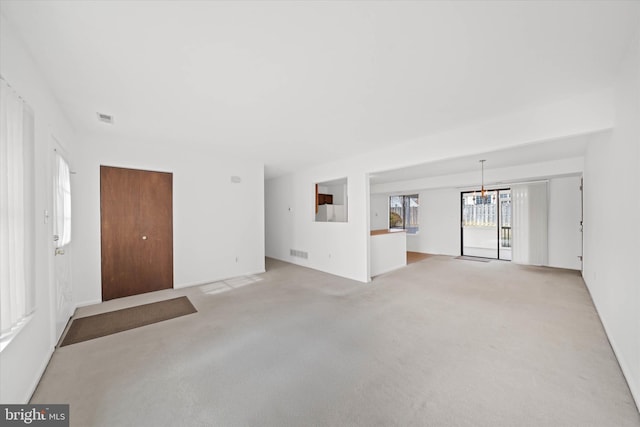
<point x="144" y="237"/>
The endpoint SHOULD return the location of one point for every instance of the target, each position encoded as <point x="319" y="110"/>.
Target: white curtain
<point x="530" y="230"/>
<point x="61" y="202"/>
<point x="17" y="296"/>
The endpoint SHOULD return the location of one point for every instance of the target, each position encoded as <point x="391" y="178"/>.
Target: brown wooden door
<point x="136" y="225"/>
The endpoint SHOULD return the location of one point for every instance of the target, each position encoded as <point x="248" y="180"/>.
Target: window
<point x="403" y="213"/>
<point x="61" y="203"/>
<point x="17" y="291"/>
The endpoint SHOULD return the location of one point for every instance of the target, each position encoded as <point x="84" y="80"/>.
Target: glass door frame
<point x="498" y="221"/>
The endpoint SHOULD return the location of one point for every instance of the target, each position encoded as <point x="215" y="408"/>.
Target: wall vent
<point x="299" y="254"/>
<point x="106" y="118"/>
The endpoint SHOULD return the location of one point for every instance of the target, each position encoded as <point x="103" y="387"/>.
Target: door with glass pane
<point x="61" y="216"/>
<point x="480" y="224"/>
<point x="486" y="224"/>
<point x="504" y="223"/>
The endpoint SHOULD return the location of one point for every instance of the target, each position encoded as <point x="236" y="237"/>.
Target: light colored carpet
<point x="438" y="343"/>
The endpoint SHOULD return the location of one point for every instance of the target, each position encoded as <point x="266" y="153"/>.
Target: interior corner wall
<point x="279" y="214"/>
<point x="339" y="248"/>
<point x="611" y="229"/>
<point x="23" y="361"/>
<point x="218" y="225"/>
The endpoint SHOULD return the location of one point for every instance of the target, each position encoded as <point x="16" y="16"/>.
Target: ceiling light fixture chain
<point x="482" y="188"/>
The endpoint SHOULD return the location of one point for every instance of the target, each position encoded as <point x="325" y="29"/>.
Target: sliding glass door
<point x="504" y="223"/>
<point x="486" y="224"/>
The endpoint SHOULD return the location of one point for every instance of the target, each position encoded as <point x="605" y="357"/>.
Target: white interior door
<point x="63" y="291"/>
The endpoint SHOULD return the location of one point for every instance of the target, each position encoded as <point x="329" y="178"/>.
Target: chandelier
<point x="484" y="198"/>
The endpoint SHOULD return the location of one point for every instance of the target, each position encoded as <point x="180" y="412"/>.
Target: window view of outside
<point x="505" y="222"/>
<point x="480" y="224"/>
<point x="486" y="224"/>
<point x="478" y="211"/>
<point x="403" y="213"/>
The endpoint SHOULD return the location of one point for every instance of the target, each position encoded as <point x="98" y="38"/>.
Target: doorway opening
<point x="485" y="223"/>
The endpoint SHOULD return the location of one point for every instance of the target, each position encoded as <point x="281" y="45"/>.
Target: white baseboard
<point x="206" y="282"/>
<point x="626" y="372"/>
<point x="634" y="387"/>
<point x="86" y="303"/>
<point x="387" y="270"/>
<point x="38" y="376"/>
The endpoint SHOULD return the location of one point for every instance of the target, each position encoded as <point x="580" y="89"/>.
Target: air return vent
<point x="299" y="254"/>
<point x="105" y="118"/>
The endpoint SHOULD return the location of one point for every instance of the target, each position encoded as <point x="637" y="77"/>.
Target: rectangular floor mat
<point x="100" y="325"/>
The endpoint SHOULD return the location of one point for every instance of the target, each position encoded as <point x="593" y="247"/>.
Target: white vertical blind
<point x="61" y="202"/>
<point x="530" y="228"/>
<point x="17" y="296"/>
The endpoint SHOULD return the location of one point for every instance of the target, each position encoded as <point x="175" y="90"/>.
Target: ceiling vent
<point x="105" y="118"/>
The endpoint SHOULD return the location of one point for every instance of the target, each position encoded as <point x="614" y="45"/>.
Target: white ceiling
<point x="540" y="152"/>
<point x="300" y="83"/>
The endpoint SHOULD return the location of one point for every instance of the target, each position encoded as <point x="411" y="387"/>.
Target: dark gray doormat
<point x="100" y="325"/>
<point x="473" y="258"/>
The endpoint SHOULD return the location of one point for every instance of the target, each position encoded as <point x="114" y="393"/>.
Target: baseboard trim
<point x="86" y="303"/>
<point x="39" y="373"/>
<point x="387" y="270"/>
<point x="635" y="393"/>
<point x="207" y="282"/>
<point x="626" y="374"/>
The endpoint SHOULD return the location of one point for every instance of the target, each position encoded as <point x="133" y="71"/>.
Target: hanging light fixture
<point x="482" y="192"/>
<point x="484" y="198"/>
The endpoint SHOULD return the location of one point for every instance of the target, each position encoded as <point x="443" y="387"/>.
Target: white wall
<point x="25" y="358"/>
<point x="214" y="220"/>
<point x="379" y="208"/>
<point x="611" y="226"/>
<point x="337" y="247"/>
<point x="439" y="219"/>
<point x="388" y="252"/>
<point x="565" y="211"/>
<point x="280" y="205"/>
